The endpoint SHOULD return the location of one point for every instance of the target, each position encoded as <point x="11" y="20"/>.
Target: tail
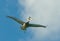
<point x="29" y="19"/>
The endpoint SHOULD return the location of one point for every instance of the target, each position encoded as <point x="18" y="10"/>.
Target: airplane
<point x="25" y="24"/>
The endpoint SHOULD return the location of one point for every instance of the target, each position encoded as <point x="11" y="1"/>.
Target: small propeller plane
<point x="26" y="24"/>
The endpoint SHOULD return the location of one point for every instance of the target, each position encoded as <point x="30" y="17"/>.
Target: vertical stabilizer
<point x="29" y="19"/>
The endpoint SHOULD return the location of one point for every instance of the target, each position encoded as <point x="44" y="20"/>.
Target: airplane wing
<point x="36" y="25"/>
<point x="17" y="20"/>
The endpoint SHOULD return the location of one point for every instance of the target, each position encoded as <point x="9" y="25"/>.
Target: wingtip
<point x="7" y="16"/>
<point x="45" y="26"/>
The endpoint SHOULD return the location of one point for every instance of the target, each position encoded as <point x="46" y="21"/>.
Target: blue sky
<point x="42" y="12"/>
<point x="9" y="29"/>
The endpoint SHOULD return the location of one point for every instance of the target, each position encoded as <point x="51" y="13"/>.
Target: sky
<point x="45" y="12"/>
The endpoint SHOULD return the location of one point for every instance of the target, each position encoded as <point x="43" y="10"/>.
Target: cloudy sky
<point x="45" y="12"/>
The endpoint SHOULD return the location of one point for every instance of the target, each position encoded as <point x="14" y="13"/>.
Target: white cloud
<point x="46" y="12"/>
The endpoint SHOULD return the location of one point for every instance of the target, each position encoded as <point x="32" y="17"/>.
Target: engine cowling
<point x="23" y="26"/>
